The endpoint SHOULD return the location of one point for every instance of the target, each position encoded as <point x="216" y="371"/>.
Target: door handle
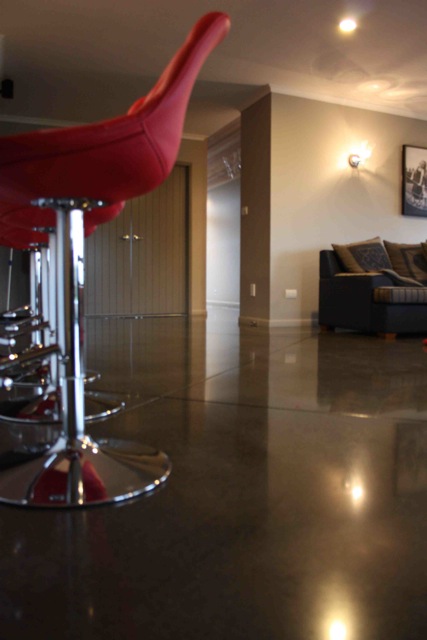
<point x="129" y="238"/>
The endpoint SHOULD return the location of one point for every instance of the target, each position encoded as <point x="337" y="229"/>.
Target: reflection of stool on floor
<point x="74" y="171"/>
<point x="52" y="484"/>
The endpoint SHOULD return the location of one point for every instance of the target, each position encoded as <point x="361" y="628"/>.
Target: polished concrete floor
<point x="296" y="509"/>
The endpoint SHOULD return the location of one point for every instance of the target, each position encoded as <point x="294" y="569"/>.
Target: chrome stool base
<point x="100" y="405"/>
<point x="84" y="473"/>
<point x="44" y="409"/>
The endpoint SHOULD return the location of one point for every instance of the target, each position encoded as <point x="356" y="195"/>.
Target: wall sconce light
<point x="354" y="160"/>
<point x="357" y="158"/>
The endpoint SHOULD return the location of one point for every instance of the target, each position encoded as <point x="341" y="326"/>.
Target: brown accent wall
<point x="194" y="153"/>
<point x="256" y="195"/>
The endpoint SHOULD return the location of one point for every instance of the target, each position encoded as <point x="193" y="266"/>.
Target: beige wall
<point x="316" y="198"/>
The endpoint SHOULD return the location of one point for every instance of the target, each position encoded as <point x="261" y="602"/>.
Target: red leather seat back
<point x="116" y="159"/>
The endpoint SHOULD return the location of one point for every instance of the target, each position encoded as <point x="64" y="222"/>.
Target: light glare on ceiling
<point x="348" y="25"/>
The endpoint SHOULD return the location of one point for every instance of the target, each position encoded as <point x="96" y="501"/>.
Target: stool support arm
<point x="19" y="359"/>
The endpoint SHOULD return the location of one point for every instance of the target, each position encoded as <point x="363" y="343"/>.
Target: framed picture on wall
<point x="414" y="181"/>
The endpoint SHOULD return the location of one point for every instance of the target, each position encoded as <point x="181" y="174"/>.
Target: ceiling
<point x="84" y="60"/>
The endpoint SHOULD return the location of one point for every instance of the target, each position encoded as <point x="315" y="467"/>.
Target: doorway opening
<point x="223" y="218"/>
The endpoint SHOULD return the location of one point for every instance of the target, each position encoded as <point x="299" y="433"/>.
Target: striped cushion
<point x="401" y="295"/>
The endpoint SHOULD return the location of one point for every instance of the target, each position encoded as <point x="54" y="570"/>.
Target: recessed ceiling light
<point x="348" y="25"/>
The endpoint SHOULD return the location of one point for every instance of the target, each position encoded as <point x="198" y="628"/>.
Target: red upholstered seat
<point x="21" y="238"/>
<point x="116" y="159"/>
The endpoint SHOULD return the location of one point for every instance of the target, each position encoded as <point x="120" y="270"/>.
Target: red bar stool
<point x="73" y="171"/>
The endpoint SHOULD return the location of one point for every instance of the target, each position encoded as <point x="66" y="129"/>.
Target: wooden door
<point x="136" y="265"/>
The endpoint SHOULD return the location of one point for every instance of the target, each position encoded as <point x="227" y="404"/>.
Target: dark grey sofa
<point x="367" y="302"/>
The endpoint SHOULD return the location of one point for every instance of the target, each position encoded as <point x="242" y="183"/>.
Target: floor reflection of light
<point x="337" y="631"/>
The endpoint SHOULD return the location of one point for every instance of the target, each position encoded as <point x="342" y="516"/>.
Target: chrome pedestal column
<point x="77" y="471"/>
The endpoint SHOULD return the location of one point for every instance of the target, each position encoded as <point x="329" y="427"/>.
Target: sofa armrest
<point x="345" y="300"/>
<point x="329" y="263"/>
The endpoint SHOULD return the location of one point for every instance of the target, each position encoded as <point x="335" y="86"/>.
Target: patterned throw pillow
<point x="360" y="257"/>
<point x="408" y="260"/>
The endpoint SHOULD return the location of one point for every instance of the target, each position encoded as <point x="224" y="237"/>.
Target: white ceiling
<point x="83" y="60"/>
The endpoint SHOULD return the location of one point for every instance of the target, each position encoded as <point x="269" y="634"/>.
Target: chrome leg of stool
<point x="9" y="278"/>
<point x="36" y="288"/>
<point x="36" y="375"/>
<point x="90" y="376"/>
<point x="30" y="400"/>
<point x="78" y="471"/>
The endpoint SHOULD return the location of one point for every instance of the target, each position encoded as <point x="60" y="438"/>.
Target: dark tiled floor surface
<point x="296" y="509"/>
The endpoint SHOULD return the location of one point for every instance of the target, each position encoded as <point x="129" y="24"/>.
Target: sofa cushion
<point x="408" y="260"/>
<point x="400" y="295"/>
<point x="364" y="256"/>
<point x="401" y="281"/>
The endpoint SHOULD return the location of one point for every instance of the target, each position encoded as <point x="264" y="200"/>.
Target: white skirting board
<point x="223" y="303"/>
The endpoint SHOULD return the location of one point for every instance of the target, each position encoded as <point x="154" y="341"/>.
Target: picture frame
<point x="414" y="181"/>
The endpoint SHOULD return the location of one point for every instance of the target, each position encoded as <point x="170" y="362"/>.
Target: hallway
<point x="296" y="508"/>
